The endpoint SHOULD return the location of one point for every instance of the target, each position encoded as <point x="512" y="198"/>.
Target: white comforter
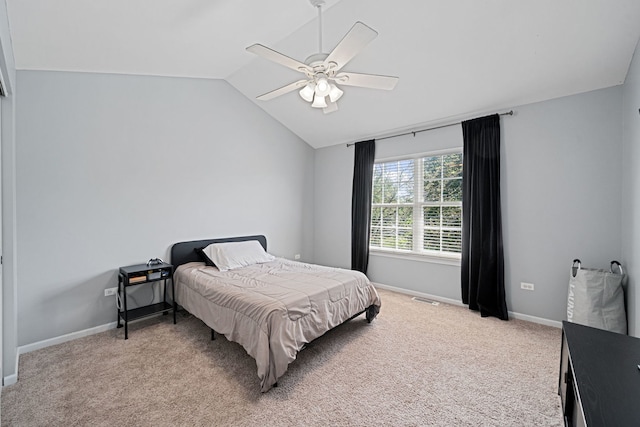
<point x="273" y="309"/>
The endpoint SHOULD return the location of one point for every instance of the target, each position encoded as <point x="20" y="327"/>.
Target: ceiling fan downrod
<point x="318" y="4"/>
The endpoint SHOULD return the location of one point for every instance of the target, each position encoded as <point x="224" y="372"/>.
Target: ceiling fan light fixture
<point x="307" y="92"/>
<point x="322" y="85"/>
<point x="319" y="102"/>
<point x="335" y="93"/>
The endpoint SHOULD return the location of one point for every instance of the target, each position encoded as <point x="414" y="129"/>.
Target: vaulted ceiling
<point x="455" y="59"/>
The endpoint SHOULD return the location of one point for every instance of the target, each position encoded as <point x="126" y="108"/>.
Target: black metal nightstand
<point x="140" y="274"/>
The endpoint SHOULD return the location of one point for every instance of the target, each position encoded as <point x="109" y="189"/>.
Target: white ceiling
<point x="455" y="59"/>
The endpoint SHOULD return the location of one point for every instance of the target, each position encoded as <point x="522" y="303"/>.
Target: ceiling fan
<point x="323" y="71"/>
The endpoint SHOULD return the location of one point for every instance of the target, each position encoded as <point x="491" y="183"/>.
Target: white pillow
<point x="227" y="256"/>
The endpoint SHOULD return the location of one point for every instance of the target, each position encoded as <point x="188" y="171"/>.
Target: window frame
<point x="418" y="204"/>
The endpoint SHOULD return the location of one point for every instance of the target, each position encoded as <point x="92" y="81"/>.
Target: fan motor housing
<point x="316" y="58"/>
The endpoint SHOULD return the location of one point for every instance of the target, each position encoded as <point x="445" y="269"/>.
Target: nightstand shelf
<point x="140" y="275"/>
<point x="148" y="310"/>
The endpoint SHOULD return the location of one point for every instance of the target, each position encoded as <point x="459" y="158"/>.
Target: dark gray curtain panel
<point x="361" y="204"/>
<point x="482" y="252"/>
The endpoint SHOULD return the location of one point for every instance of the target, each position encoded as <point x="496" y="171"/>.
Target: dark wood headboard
<point x="183" y="252"/>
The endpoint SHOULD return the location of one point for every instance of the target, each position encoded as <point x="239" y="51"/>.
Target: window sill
<point x="417" y="257"/>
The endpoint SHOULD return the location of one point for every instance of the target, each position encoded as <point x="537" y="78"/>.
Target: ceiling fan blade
<point x="372" y="81"/>
<point x="352" y="43"/>
<point x="279" y="58"/>
<point x="281" y="91"/>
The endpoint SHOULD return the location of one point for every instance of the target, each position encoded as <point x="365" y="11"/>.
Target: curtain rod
<point x="508" y="113"/>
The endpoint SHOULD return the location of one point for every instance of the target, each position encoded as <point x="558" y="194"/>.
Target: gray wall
<point x="332" y="228"/>
<point x="631" y="190"/>
<point x="561" y="199"/>
<point x="561" y="195"/>
<point x="114" y="169"/>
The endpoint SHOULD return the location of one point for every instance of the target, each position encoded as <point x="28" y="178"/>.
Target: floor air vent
<point x="428" y="301"/>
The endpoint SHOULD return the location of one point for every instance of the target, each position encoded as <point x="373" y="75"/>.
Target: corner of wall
<point x="630" y="221"/>
<point x="8" y="305"/>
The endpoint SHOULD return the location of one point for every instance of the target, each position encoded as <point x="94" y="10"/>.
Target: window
<point x="417" y="205"/>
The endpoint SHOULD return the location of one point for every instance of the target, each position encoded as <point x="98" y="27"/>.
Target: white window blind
<point x="417" y="205"/>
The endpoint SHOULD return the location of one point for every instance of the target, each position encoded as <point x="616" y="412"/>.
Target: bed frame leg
<point x="213" y="335"/>
<point x="371" y="313"/>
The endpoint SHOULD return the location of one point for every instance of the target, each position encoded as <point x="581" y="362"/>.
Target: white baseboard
<point x="419" y="294"/>
<point x="534" y="319"/>
<point x="519" y="316"/>
<point x="12" y="379"/>
<point x="64" y="338"/>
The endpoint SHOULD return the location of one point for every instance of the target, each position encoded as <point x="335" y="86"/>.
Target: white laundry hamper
<point x="596" y="297"/>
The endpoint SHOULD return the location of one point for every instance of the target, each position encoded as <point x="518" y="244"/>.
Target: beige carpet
<point x="415" y="365"/>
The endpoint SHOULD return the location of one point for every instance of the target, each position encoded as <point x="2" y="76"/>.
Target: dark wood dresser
<point x="599" y="382"/>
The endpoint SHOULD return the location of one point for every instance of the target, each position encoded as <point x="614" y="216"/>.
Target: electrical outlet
<point x="527" y="286"/>
<point x="110" y="291"/>
<point x="296" y="256"/>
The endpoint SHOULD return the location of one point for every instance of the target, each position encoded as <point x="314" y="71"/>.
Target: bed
<point x="273" y="307"/>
